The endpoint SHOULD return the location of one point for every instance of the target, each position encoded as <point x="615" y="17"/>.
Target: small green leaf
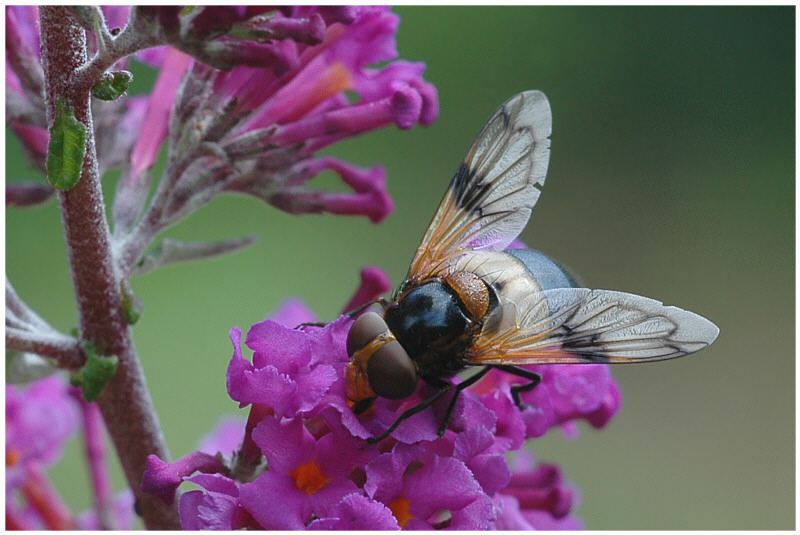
<point x="66" y="148"/>
<point x="94" y="375"/>
<point x="112" y="85"/>
<point x="132" y="306"/>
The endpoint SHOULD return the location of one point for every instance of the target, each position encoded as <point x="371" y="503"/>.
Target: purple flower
<point x="303" y="446"/>
<point x="163" y="478"/>
<point x="357" y="512"/>
<point x="320" y="474"/>
<point x="159" y="103"/>
<point x="285" y="373"/>
<point x="485" y="457"/>
<point x="40" y="418"/>
<point x="566" y="393"/>
<point x="295" y="113"/>
<point x="225" y="438"/>
<point x="441" y="492"/>
<point x="215" y="507"/>
<point x="306" y="477"/>
<point x="284" y="97"/>
<point x="246" y="97"/>
<point x="537" y="498"/>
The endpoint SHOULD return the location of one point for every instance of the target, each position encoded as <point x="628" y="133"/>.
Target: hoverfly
<point x="469" y="301"/>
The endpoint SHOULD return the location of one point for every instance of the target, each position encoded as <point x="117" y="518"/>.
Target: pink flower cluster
<point x="256" y="127"/>
<point x="41" y="418"/>
<point x="246" y="97"/>
<point x="304" y="462"/>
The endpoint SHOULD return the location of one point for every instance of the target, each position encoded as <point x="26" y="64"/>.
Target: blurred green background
<point x="671" y="176"/>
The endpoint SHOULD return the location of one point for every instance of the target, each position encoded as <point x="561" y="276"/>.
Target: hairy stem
<point x="65" y="350"/>
<point x="125" y="402"/>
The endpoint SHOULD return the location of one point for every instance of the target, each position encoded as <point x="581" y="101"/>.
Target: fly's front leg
<point x="352" y="313"/>
<point x="444" y="387"/>
<point x="359" y="309"/>
<point x="412" y="411"/>
<point x="461" y="386"/>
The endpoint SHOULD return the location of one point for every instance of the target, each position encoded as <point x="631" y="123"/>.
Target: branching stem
<point x="125" y="402"/>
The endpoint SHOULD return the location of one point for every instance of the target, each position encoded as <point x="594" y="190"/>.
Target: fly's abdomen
<point x="547" y="272"/>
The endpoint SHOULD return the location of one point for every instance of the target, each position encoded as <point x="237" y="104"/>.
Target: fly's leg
<point x="360" y="308"/>
<point x="445" y="387"/>
<point x="533" y="378"/>
<point x="352" y="313"/>
<point x="461" y="386"/>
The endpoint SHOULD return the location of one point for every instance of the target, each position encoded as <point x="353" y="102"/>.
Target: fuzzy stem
<point x="64" y="349"/>
<point x="125" y="401"/>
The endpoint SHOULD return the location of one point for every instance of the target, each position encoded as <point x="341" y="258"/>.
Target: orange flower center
<point x="335" y="79"/>
<point x="400" y="508"/>
<point x="12" y="457"/>
<point x="309" y="477"/>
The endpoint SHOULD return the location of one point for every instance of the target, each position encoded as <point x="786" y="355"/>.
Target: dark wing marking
<point x="490" y="198"/>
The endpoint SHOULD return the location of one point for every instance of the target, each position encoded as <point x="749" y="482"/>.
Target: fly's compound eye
<point x="365" y="329"/>
<point x="390" y="370"/>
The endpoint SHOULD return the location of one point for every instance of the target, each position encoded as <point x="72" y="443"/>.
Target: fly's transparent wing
<point x="490" y="198"/>
<point x="578" y="325"/>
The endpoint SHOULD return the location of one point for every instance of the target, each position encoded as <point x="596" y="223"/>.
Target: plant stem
<point x="66" y="351"/>
<point x="125" y="402"/>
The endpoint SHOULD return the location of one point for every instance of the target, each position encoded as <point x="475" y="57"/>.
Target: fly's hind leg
<point x="532" y="377"/>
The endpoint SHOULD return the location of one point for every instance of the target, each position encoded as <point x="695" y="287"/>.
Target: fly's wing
<point x="578" y="325"/>
<point x="490" y="198"/>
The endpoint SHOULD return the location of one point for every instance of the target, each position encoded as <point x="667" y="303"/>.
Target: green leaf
<point x="132" y="306"/>
<point x="112" y="85"/>
<point x="94" y="375"/>
<point x="66" y="148"/>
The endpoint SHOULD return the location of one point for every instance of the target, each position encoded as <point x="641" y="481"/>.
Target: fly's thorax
<point x="471" y="291"/>
<point x="433" y="326"/>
